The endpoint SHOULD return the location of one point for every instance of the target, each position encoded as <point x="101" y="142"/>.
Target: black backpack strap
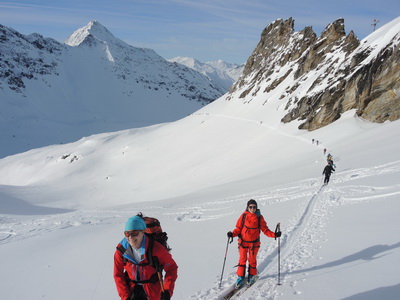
<point x="121" y="249"/>
<point x="149" y="251"/>
<point x="153" y="279"/>
<point x="243" y="219"/>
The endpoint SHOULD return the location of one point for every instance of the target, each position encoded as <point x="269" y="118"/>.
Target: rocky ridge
<point x="319" y="78"/>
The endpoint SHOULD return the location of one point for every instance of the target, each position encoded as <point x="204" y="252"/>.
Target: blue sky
<point x="203" y="29"/>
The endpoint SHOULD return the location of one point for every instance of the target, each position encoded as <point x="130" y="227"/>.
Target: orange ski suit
<point x="248" y="228"/>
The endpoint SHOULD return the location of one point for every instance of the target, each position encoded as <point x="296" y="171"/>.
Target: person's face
<point x="252" y="208"/>
<point x="134" y="237"/>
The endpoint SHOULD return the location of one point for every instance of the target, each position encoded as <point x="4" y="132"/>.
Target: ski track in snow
<point x="302" y="236"/>
<point x="260" y="122"/>
<point x="306" y="231"/>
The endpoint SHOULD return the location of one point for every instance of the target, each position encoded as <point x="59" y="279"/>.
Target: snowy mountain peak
<point x="222" y="73"/>
<point x="93" y="30"/>
<point x="99" y="84"/>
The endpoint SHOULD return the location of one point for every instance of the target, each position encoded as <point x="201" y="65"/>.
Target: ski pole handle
<point x="278" y="228"/>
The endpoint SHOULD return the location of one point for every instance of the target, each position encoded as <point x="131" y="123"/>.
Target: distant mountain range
<point x="92" y="83"/>
<point x="220" y="72"/>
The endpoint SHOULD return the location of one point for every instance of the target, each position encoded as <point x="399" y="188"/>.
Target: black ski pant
<point x="326" y="180"/>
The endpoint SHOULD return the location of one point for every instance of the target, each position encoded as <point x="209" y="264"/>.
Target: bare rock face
<point x="378" y="87"/>
<point x="325" y="76"/>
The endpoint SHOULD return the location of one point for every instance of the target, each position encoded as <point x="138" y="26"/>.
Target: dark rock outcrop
<point x="337" y="72"/>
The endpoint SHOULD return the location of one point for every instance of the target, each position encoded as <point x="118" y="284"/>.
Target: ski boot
<point x="251" y="279"/>
<point x="241" y="280"/>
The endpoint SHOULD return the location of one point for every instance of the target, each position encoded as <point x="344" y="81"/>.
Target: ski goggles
<point x="132" y="233"/>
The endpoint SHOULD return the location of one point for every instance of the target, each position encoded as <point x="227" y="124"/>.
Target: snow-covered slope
<point x="67" y="204"/>
<point x="54" y="93"/>
<point x="220" y="72"/>
<point x="63" y="207"/>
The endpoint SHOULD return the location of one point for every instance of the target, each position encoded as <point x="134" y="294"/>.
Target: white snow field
<point x="61" y="217"/>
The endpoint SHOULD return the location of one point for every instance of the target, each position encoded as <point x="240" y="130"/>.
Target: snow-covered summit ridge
<point x="388" y="34"/>
<point x="93" y="28"/>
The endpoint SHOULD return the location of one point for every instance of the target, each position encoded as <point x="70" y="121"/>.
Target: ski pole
<point x="161" y="281"/>
<point x="278" y="228"/>
<point x="158" y="270"/>
<point x="223" y="266"/>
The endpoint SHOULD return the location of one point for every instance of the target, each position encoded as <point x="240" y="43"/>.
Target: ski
<point x="233" y="292"/>
<point x="239" y="291"/>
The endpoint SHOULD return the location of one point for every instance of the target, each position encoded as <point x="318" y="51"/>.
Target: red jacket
<point x="249" y="230"/>
<point x="124" y="263"/>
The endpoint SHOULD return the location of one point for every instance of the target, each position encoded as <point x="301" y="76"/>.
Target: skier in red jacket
<point x="248" y="228"/>
<point x="138" y="265"/>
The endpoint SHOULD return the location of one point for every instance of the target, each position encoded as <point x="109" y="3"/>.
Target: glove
<point x="278" y="234"/>
<point x="229" y="234"/>
<point x="165" y="295"/>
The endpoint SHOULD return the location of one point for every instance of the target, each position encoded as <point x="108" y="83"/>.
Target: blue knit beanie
<point x="135" y="223"/>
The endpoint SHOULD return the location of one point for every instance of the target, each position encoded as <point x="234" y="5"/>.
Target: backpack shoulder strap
<point x="153" y="260"/>
<point x="243" y="219"/>
<point x="121" y="249"/>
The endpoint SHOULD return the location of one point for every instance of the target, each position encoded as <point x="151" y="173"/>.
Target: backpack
<point x="154" y="231"/>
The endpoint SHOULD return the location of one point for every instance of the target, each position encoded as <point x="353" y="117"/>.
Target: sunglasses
<point x="132" y="233"/>
<point x="252" y="206"/>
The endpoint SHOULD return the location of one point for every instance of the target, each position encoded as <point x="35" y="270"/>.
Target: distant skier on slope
<point x="328" y="171"/>
<point x="329" y="159"/>
<point x="248" y="228"/>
